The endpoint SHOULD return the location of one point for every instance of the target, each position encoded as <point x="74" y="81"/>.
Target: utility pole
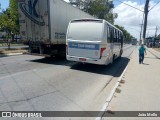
<point x="145" y="20"/>
<point x="156" y="32"/>
<point x="141" y="31"/>
<point x="148" y="34"/>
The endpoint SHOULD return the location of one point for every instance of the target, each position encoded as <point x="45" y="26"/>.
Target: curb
<point x="104" y="108"/>
<point x="111" y="94"/>
<point x="11" y="54"/>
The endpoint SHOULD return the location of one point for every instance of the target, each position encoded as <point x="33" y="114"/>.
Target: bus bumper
<point x="102" y="61"/>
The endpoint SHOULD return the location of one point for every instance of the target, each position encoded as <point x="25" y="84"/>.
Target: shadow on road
<point x="145" y="64"/>
<point x="2" y="55"/>
<point x="152" y="57"/>
<point x="54" y="61"/>
<point x="115" y="69"/>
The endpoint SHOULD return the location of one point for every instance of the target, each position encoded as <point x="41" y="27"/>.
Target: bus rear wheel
<point x="113" y="59"/>
<point x="121" y="52"/>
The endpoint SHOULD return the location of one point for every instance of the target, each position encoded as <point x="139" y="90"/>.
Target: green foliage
<point x="13" y="9"/>
<point x="128" y="36"/>
<point x="9" y="18"/>
<point x="158" y="37"/>
<point x="101" y="11"/>
<point x="5" y="21"/>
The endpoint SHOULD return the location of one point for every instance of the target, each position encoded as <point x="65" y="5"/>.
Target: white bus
<point x="93" y="41"/>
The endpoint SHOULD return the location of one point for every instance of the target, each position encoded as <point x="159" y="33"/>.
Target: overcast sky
<point x="129" y="17"/>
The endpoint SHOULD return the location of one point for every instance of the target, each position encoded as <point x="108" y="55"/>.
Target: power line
<point x="133" y="28"/>
<point x="130" y="5"/>
<point x="156" y="31"/>
<point x="154" y="6"/>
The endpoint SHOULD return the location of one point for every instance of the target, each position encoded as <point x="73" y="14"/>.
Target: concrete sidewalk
<point x="141" y="89"/>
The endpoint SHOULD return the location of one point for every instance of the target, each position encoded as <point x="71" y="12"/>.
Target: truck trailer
<point x="43" y="24"/>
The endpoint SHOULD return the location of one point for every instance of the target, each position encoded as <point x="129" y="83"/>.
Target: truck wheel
<point x="30" y="50"/>
<point x="41" y="50"/>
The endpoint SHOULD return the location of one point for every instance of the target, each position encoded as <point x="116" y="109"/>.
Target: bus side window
<point x="111" y="34"/>
<point x="121" y="40"/>
<point x="115" y="36"/>
<point x="108" y="34"/>
<point x="119" y="37"/>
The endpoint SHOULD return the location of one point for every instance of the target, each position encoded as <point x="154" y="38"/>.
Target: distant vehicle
<point x="149" y="41"/>
<point x="17" y="38"/>
<point x="152" y="42"/>
<point x="134" y="41"/>
<point x="43" y="23"/>
<point x="93" y="41"/>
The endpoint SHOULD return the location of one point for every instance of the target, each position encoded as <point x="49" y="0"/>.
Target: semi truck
<point x="43" y="24"/>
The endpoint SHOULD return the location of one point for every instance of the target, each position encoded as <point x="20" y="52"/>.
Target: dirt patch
<point x="118" y="90"/>
<point x="157" y="49"/>
<point x="6" y="45"/>
<point x="122" y="81"/>
<point x="6" y="51"/>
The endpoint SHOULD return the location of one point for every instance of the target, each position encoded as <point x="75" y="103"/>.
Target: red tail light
<point x="101" y="52"/>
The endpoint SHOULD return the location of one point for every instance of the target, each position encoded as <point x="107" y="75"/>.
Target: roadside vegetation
<point x="102" y="10"/>
<point x="9" y="22"/>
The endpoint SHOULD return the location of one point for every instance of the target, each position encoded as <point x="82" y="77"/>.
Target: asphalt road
<point x="34" y="83"/>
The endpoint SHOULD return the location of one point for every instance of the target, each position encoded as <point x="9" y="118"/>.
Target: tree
<point x="9" y="19"/>
<point x="97" y="8"/>
<point x="13" y="10"/>
<point x="101" y="10"/>
<point x="5" y="21"/>
<point x="158" y="37"/>
<point x="128" y="36"/>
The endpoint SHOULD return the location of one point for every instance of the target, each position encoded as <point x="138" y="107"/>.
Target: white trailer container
<point x="43" y="23"/>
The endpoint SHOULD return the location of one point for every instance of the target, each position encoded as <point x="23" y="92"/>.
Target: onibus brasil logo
<point x="30" y="11"/>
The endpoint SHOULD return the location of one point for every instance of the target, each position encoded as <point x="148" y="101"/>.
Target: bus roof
<point x="96" y="20"/>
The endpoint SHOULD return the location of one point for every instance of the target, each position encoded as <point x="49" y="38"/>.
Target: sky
<point x="4" y="4"/>
<point x="129" y="17"/>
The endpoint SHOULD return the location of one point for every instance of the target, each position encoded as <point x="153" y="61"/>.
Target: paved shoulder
<point x="140" y="92"/>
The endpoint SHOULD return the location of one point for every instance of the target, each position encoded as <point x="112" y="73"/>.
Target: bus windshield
<point x="85" y="30"/>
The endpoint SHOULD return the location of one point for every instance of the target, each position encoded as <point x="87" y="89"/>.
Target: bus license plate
<point x="82" y="59"/>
